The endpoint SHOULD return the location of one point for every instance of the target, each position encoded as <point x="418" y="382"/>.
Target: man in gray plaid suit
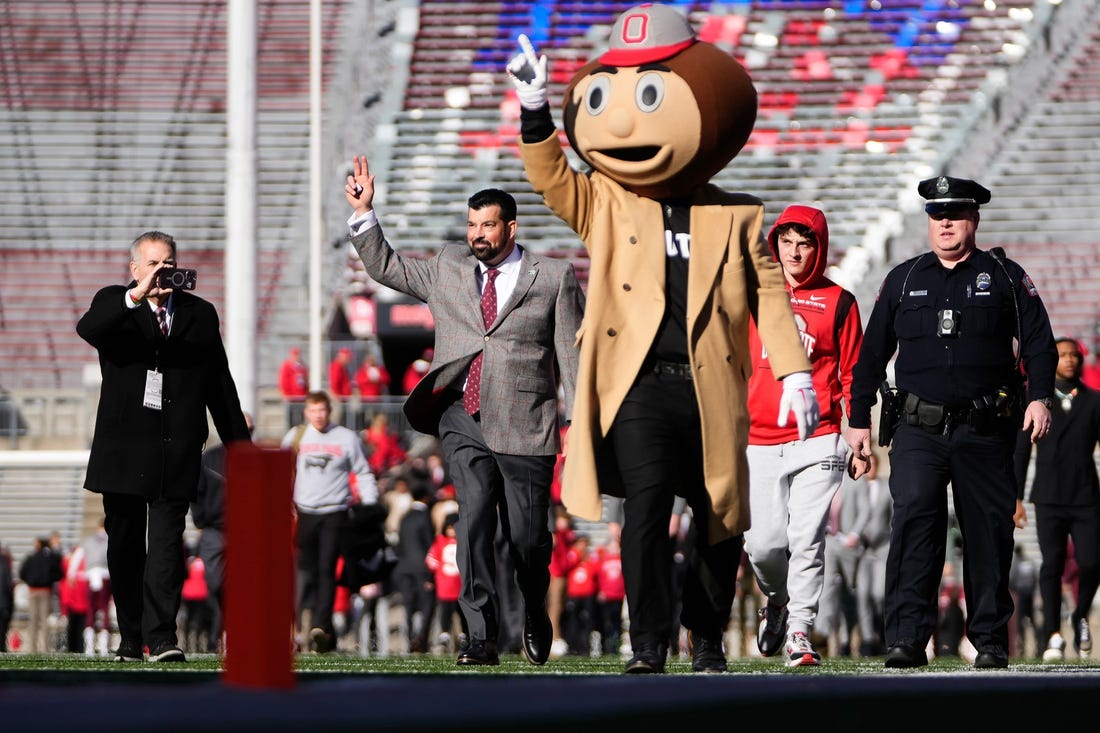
<point x="506" y="322"/>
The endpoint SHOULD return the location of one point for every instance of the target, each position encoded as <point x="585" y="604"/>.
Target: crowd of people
<point x="589" y="620"/>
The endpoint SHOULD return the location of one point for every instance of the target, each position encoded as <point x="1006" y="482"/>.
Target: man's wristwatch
<point x="1046" y="402"/>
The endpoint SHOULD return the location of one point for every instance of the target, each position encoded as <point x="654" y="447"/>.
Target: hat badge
<point x="942" y="186"/>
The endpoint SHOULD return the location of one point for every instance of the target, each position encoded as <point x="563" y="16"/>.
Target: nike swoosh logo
<point x="817" y="298"/>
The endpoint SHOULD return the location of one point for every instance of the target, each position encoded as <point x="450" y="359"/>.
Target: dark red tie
<point x="162" y="319"/>
<point x="471" y="398"/>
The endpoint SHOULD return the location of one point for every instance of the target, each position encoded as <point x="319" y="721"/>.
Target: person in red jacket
<point x="339" y="386"/>
<point x="793" y="481"/>
<point x="372" y="379"/>
<point x="559" y="570"/>
<point x="383" y="447"/>
<point x="339" y="374"/>
<point x="75" y="598"/>
<point x="416" y="370"/>
<point x="443" y="561"/>
<point x="294" y="384"/>
<point x="579" y="616"/>
<point x="198" y="613"/>
<point x="610" y="593"/>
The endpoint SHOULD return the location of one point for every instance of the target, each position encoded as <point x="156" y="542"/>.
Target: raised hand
<point x="527" y="70"/>
<point x="359" y="189"/>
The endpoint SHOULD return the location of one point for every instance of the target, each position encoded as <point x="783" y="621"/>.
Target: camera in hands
<point x="176" y="278"/>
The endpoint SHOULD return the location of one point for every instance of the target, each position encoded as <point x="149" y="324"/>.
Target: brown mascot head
<point x="660" y="112"/>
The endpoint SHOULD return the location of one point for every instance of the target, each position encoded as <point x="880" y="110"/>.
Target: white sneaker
<point x="558" y="648"/>
<point x="800" y="652"/>
<point x="1056" y="649"/>
<point x="773" y="624"/>
<point x="89" y="641"/>
<point x="1082" y="638"/>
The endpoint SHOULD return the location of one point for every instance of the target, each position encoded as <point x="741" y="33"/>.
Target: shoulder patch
<point x="1031" y="289"/>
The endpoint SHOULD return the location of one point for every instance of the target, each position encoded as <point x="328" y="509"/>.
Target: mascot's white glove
<point x="527" y="71"/>
<point x="799" y="397"/>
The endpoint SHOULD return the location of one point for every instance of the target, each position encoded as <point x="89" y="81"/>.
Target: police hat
<point x="946" y="193"/>
<point x="646" y="34"/>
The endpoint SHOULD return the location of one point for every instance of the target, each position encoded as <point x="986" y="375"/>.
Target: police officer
<point x="952" y="315"/>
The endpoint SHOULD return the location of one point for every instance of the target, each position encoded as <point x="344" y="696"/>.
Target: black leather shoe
<point x="537" y="636"/>
<point x="905" y="654"/>
<point x="130" y="651"/>
<point x="707" y="654"/>
<point x="991" y="656"/>
<point x="647" y="660"/>
<point x="479" y="653"/>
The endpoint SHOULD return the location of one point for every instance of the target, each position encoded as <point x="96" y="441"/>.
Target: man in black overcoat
<point x="163" y="366"/>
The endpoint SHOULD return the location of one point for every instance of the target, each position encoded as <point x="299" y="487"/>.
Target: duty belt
<point x="933" y="417"/>
<point x="942" y="419"/>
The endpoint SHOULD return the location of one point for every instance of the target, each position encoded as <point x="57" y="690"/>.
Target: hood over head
<point x="814" y="219"/>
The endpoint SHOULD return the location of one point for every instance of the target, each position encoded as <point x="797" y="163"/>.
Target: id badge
<point x="154" y="382"/>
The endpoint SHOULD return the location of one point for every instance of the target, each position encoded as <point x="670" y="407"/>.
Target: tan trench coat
<point x="731" y="276"/>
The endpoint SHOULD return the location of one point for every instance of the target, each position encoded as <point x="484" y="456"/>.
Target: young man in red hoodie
<point x="792" y="481"/>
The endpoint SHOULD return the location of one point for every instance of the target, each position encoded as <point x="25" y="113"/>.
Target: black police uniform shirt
<point x="953" y="370"/>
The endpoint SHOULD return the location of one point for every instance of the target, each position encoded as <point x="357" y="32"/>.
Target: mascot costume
<point x="677" y="268"/>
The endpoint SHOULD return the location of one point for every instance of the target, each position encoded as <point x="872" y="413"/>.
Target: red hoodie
<point x="828" y="320"/>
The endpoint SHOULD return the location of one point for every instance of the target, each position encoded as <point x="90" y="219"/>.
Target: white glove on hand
<point x="799" y="397"/>
<point x="528" y="74"/>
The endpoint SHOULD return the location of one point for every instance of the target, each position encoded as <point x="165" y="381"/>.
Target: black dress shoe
<point x="707" y="654"/>
<point x="991" y="656"/>
<point x="647" y="660"/>
<point x="905" y="654"/>
<point x="480" y="653"/>
<point x="537" y="636"/>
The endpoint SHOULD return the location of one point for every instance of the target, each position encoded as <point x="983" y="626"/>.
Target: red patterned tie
<point x="162" y="319"/>
<point x="471" y="398"/>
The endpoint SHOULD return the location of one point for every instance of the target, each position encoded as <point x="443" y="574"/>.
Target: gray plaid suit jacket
<point x="529" y="350"/>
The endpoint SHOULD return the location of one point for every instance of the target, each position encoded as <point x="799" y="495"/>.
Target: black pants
<point x="418" y="597"/>
<point x="318" y="552"/>
<point x="610" y="625"/>
<point x="980" y="471"/>
<point x="212" y="552"/>
<point x="658" y="447"/>
<point x="448" y="612"/>
<point x="579" y="620"/>
<point x="74" y="632"/>
<point x="1054" y="525"/>
<point x="493" y="487"/>
<point x="147" y="582"/>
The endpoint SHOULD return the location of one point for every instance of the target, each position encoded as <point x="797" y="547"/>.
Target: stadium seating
<point x="857" y="102"/>
<point x="41" y="496"/>
<point x="115" y="117"/>
<point x="39" y="332"/>
<point x="842" y="116"/>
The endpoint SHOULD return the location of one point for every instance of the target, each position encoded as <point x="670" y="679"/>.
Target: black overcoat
<point x="143" y="451"/>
